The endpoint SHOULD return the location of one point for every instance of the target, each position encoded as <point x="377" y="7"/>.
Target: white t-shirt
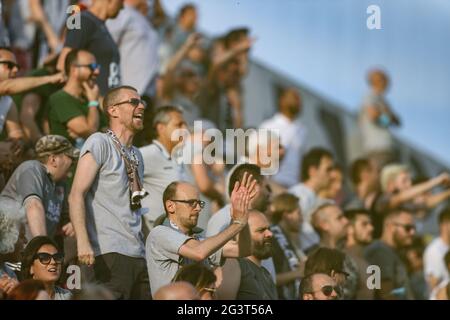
<point x="308" y="201"/>
<point x="160" y="169"/>
<point x="293" y="138"/>
<point x="433" y="259"/>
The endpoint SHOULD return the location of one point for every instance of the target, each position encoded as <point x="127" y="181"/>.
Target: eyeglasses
<point x="92" y="66"/>
<point x="45" y="258"/>
<point x="327" y="290"/>
<point x="192" y="202"/>
<point x="408" y="227"/>
<point x="10" y="64"/>
<point x="133" y="101"/>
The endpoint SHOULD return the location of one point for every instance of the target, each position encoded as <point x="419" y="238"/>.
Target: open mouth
<point x="52" y="270"/>
<point x="139" y="116"/>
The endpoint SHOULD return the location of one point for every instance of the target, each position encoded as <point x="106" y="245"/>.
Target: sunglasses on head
<point x="10" y="64"/>
<point x="92" y="66"/>
<point x="192" y="202"/>
<point x="46" y="258"/>
<point x="133" y="101"/>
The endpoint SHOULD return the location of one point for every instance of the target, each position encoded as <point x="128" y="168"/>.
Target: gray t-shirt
<point x="31" y="179"/>
<point x="391" y="266"/>
<point x="256" y="282"/>
<point x="112" y="225"/>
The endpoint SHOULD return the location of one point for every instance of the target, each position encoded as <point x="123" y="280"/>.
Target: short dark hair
<point x="71" y="58"/>
<point x="185" y="8"/>
<point x="444" y="216"/>
<point x="112" y="96"/>
<point x="282" y="203"/>
<point x="27" y="290"/>
<point x="197" y="274"/>
<point x="357" y="168"/>
<point x="29" y="254"/>
<point x="324" y="260"/>
<point x="238" y="174"/>
<point x="313" y="159"/>
<point x="234" y="35"/>
<point x="169" y="193"/>
<point x="306" y="286"/>
<point x="6" y="49"/>
<point x="351" y="214"/>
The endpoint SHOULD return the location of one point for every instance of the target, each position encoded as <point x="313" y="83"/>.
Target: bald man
<point x="181" y="290"/>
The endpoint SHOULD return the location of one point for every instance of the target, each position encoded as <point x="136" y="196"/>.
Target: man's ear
<point x="170" y="205"/>
<point x="112" y="111"/>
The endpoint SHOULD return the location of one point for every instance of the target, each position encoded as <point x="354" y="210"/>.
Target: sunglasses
<point x="92" y="66"/>
<point x="408" y="227"/>
<point x="327" y="290"/>
<point x="133" y="101"/>
<point x="192" y="202"/>
<point x="46" y="258"/>
<point x="10" y="64"/>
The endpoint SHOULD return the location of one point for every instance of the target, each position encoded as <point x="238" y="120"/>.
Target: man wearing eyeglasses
<point x="175" y="243"/>
<point x="318" y="286"/>
<point x="74" y="110"/>
<point x="398" y="232"/>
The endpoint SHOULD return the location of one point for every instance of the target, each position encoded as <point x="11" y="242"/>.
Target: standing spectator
<point x="376" y="118"/>
<point x="359" y="235"/>
<point x="288" y="257"/>
<point x="398" y="192"/>
<point x="293" y="135"/>
<point x="73" y="110"/>
<point x="138" y="45"/>
<point x="39" y="186"/>
<point x="334" y="189"/>
<point x="43" y="261"/>
<point x="434" y="267"/>
<point x="160" y="160"/>
<point x="442" y="291"/>
<point x="105" y="199"/>
<point x="174" y="243"/>
<point x="414" y="263"/>
<point x="95" y="38"/>
<point x="398" y="233"/>
<point x="316" y="167"/>
<point x="318" y="286"/>
<point x="201" y="277"/>
<point x="365" y="180"/>
<point x="186" y="24"/>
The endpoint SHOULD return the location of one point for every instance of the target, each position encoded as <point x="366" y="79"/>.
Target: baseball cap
<point x="55" y="144"/>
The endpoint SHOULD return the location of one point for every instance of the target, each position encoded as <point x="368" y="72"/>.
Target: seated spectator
<point x="253" y="281"/>
<point x="201" y="277"/>
<point x="29" y="290"/>
<point x="398" y="233"/>
<point x="43" y="261"/>
<point x="74" y="110"/>
<point x="398" y="192"/>
<point x="288" y="257"/>
<point x="316" y="167"/>
<point x="365" y="180"/>
<point x="375" y="120"/>
<point x="180" y="290"/>
<point x="175" y="243"/>
<point x="293" y="135"/>
<point x="319" y="286"/>
<point x="39" y="186"/>
<point x="434" y="267"/>
<point x="359" y="235"/>
<point x="160" y="161"/>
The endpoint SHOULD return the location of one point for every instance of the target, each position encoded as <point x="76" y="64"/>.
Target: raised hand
<point x="243" y="192"/>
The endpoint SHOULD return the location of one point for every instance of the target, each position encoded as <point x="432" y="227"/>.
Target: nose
<point x="268" y="234"/>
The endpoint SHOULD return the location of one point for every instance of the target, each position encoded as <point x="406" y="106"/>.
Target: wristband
<point x="238" y="222"/>
<point x="93" y="104"/>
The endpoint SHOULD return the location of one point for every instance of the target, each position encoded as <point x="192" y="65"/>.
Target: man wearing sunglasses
<point x="175" y="243"/>
<point x="318" y="286"/>
<point x="74" y="110"/>
<point x="398" y="232"/>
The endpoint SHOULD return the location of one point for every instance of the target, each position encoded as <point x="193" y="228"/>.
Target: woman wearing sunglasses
<point x="43" y="261"/>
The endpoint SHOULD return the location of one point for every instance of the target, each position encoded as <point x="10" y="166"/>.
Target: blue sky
<point x="326" y="45"/>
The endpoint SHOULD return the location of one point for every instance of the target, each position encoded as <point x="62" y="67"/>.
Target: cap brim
<point x="73" y="153"/>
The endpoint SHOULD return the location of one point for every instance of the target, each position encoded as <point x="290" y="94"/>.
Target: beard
<point x="262" y="250"/>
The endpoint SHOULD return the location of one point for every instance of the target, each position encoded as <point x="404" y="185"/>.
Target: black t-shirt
<point x="94" y="37"/>
<point x="256" y="282"/>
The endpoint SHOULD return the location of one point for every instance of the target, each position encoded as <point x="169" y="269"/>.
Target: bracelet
<point x="238" y="222"/>
<point x="93" y="104"/>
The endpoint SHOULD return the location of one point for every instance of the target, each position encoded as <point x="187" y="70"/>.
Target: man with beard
<point x="293" y="135"/>
<point x="73" y="110"/>
<point x="398" y="233"/>
<point x="175" y="243"/>
<point x="105" y="199"/>
<point x="359" y="235"/>
<point x="256" y="282"/>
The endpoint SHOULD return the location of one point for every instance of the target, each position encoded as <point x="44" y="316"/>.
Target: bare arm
<point x="30" y="107"/>
<point x="17" y="85"/>
<point x="433" y="200"/>
<point x="84" y="177"/>
<point x="38" y="15"/>
<point x="12" y="123"/>
<point x="36" y="217"/>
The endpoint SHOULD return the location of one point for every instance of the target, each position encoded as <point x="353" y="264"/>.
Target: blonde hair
<point x="390" y="172"/>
